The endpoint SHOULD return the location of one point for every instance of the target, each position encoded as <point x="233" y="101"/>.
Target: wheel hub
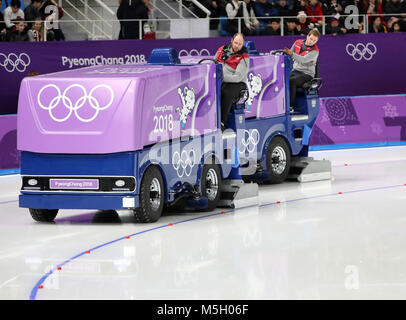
<point x="212" y="184"/>
<point x="278" y="160"/>
<point x="155" y="194"/>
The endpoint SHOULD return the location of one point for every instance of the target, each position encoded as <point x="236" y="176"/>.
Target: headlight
<point x="120" y="183"/>
<point x="33" y="182"/>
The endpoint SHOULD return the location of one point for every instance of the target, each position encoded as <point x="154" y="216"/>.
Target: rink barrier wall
<point x="357" y="64"/>
<point x="342" y="123"/>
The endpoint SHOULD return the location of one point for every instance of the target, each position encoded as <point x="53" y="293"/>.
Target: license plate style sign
<point x="74" y="184"/>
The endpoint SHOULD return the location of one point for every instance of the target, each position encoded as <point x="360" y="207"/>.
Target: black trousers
<point x="230" y="92"/>
<point x="296" y="80"/>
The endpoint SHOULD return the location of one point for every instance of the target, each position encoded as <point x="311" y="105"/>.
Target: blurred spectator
<point x="32" y="12"/>
<point x="252" y="22"/>
<point x="377" y="26"/>
<point x="263" y="11"/>
<point x="12" y="12"/>
<point x="130" y="10"/>
<point x="208" y="4"/>
<point x="235" y="11"/>
<point x="395" y="7"/>
<point x="315" y="13"/>
<point x="148" y="27"/>
<point x="6" y="3"/>
<point x="54" y="31"/>
<point x="331" y="7"/>
<point x="395" y="27"/>
<point x="18" y="34"/>
<point x="291" y="27"/>
<point x="303" y="23"/>
<point x="334" y="27"/>
<point x="3" y="30"/>
<point x="36" y="32"/>
<point x="283" y="9"/>
<point x="373" y="7"/>
<point x="299" y="5"/>
<point x="220" y="6"/>
<point x="274" y="28"/>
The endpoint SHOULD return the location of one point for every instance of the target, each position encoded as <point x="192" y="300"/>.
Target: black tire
<point x="278" y="160"/>
<point x="43" y="215"/>
<point x="211" y="184"/>
<point x="151" y="196"/>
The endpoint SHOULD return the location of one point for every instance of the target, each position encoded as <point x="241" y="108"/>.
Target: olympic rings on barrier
<point x="183" y="163"/>
<point x="13" y="62"/>
<point x="194" y="52"/>
<point x="361" y="51"/>
<point x="80" y="102"/>
<point x="249" y="141"/>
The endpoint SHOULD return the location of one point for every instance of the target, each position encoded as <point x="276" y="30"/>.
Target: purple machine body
<point x="114" y="109"/>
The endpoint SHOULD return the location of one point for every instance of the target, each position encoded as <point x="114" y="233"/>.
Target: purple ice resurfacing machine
<point x="147" y="138"/>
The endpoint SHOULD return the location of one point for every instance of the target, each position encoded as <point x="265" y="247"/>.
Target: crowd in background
<point x="257" y="17"/>
<point x="28" y="24"/>
<point x="261" y="17"/>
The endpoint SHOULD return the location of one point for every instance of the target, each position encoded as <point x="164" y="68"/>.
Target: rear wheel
<point x="210" y="185"/>
<point x="43" y="215"/>
<point x="278" y="160"/>
<point x="151" y="196"/>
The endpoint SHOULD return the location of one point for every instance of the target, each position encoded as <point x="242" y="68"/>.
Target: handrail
<point x="105" y="7"/>
<point x="201" y="7"/>
<point x="80" y="22"/>
<point x="73" y="20"/>
<point x="276" y="17"/>
<point x="95" y="12"/>
<point x="181" y="5"/>
<point x="152" y="3"/>
<point x="88" y="20"/>
<point x="164" y="2"/>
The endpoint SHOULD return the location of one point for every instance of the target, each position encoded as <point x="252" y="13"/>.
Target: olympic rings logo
<point x="249" y="141"/>
<point x="73" y="107"/>
<point x="361" y="51"/>
<point x="14" y="62"/>
<point x="183" y="163"/>
<point x="194" y="52"/>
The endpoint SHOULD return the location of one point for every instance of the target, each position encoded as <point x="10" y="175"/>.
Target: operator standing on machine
<point x="236" y="63"/>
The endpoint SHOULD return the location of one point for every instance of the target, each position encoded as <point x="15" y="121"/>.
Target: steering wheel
<point x="208" y="59"/>
<point x="278" y="52"/>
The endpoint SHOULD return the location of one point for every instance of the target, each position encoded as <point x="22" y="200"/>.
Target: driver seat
<point x="312" y="86"/>
<point x="243" y="93"/>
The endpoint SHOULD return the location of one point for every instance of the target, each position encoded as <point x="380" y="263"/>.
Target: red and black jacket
<point x="298" y="46"/>
<point x="225" y="56"/>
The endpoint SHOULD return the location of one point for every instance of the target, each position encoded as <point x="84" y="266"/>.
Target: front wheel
<point x="210" y="185"/>
<point x="151" y="196"/>
<point x="278" y="160"/>
<point x="43" y="215"/>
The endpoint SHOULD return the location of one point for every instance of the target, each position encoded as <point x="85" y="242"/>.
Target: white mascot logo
<point x="254" y="85"/>
<point x="188" y="102"/>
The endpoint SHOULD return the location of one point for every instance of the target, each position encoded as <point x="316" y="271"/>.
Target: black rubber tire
<point x="43" y="215"/>
<point x="147" y="212"/>
<point x="214" y="170"/>
<point x="279" y="146"/>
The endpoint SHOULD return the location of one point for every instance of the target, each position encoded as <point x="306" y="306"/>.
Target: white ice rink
<point x="339" y="239"/>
